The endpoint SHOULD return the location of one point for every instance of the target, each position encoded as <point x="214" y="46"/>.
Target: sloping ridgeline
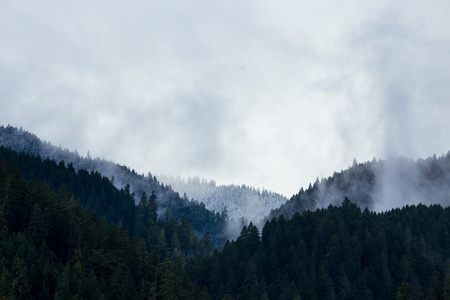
<point x="98" y="194"/>
<point x="378" y="185"/>
<point x="240" y="202"/>
<point x="52" y="248"/>
<point x="202" y="219"/>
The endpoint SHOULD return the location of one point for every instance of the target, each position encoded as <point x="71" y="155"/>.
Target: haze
<point x="268" y="94"/>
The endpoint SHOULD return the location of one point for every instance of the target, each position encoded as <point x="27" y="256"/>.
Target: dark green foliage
<point x="403" y="292"/>
<point x="93" y="190"/>
<point x="435" y="291"/>
<point x="52" y="248"/>
<point x="96" y="193"/>
<point x="44" y="162"/>
<point x="334" y="253"/>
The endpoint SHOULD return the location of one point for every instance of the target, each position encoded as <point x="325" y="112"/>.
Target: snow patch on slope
<point x="240" y="202"/>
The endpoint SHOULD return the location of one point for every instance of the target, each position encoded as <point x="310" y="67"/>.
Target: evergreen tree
<point x="20" y="286"/>
<point x="435" y="291"/>
<point x="152" y="208"/>
<point x="446" y="288"/>
<point x="173" y="285"/>
<point x="64" y="290"/>
<point x="37" y="228"/>
<point x="403" y="292"/>
<point x="122" y="286"/>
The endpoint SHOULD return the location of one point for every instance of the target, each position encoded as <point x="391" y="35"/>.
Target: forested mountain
<point x="335" y="253"/>
<point x="239" y="201"/>
<point x="202" y="219"/>
<point x="378" y="185"/>
<point x="96" y="192"/>
<point x="52" y="248"/>
<point x="68" y="232"/>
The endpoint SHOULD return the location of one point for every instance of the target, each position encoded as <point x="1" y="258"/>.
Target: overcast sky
<point x="267" y="93"/>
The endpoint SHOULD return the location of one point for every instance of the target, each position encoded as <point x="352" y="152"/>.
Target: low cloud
<point x="270" y="95"/>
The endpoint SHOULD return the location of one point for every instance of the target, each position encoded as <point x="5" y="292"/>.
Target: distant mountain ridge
<point x="20" y="140"/>
<point x="378" y="185"/>
<point x="341" y="250"/>
<point x="239" y="201"/>
<point x="202" y="219"/>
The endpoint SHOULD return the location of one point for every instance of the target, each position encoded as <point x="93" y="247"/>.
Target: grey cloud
<point x="398" y="57"/>
<point x="195" y="127"/>
<point x="229" y="90"/>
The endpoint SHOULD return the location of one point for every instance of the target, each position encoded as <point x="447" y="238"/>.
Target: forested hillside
<point x="96" y="192"/>
<point x="239" y="201"/>
<point x="335" y="253"/>
<point x="202" y="219"/>
<point x="70" y="233"/>
<point x="52" y="248"/>
<point x="378" y="185"/>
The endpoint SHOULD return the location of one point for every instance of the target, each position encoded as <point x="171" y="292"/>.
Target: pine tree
<point x="3" y="223"/>
<point x="403" y="292"/>
<point x="170" y="282"/>
<point x="142" y="216"/>
<point x="20" y="284"/>
<point x="122" y="286"/>
<point x="435" y="290"/>
<point x="250" y="286"/>
<point x="37" y="228"/>
<point x="64" y="290"/>
<point x="78" y="280"/>
<point x="15" y="201"/>
<point x="5" y="283"/>
<point x="93" y="286"/>
<point x="446" y="288"/>
<point x="208" y="243"/>
<point x="152" y="208"/>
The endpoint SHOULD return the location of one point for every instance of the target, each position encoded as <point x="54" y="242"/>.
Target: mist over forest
<point x="379" y="185"/>
<point x="376" y="230"/>
<point x="304" y="145"/>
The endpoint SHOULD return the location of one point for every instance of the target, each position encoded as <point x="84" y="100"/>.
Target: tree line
<point x="29" y="147"/>
<point x="67" y="234"/>
<point x="339" y="252"/>
<point x="51" y="247"/>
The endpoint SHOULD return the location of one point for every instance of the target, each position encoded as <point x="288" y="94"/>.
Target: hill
<point x="338" y="252"/>
<point x="71" y="233"/>
<point x="53" y="248"/>
<point x="202" y="219"/>
<point x="239" y="201"/>
<point x="378" y="185"/>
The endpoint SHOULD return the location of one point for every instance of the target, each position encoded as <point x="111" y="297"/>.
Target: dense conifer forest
<point x="68" y="233"/>
<point x="339" y="252"/>
<point x="53" y="248"/>
<point x="32" y="152"/>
